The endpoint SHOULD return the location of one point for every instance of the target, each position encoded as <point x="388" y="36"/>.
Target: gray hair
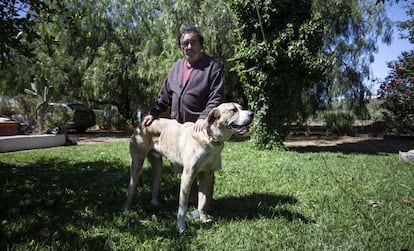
<point x="191" y="29"/>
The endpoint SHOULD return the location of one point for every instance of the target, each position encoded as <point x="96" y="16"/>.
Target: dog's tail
<point x="139" y="116"/>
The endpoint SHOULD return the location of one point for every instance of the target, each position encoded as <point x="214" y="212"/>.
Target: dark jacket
<point x="203" y="91"/>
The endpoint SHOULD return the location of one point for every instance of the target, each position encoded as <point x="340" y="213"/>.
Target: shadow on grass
<point x="257" y="205"/>
<point x="45" y="201"/>
<point x="367" y="146"/>
<point x="56" y="203"/>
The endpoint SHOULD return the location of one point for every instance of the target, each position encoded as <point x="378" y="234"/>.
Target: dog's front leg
<point x="205" y="192"/>
<point x="187" y="179"/>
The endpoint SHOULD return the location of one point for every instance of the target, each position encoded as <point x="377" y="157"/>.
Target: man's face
<point x="191" y="47"/>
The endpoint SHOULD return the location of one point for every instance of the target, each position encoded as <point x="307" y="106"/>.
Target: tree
<point x="18" y="40"/>
<point x="92" y="53"/>
<point x="119" y="52"/>
<point x="398" y="92"/>
<point x="279" y="57"/>
<point x="408" y="25"/>
<point x="116" y="76"/>
<point x="115" y="52"/>
<point x="353" y="29"/>
<point x="56" y="44"/>
<point x="295" y="55"/>
<point x="16" y="25"/>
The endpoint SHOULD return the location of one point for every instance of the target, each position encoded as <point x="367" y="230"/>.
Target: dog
<point x="193" y="153"/>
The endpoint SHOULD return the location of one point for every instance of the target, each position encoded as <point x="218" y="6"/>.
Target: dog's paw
<point x="125" y="210"/>
<point x="181" y="227"/>
<point x="205" y="219"/>
<point x="155" y="202"/>
<point x="193" y="214"/>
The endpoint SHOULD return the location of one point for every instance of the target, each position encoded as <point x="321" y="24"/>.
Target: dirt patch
<point x="99" y="136"/>
<point x="358" y="144"/>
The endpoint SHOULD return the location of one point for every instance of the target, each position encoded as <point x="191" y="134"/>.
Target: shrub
<point x="6" y="108"/>
<point x="27" y="107"/>
<point x="398" y="93"/>
<point x="339" y="123"/>
<point x="57" y="117"/>
<point x="279" y="67"/>
<point x="110" y="118"/>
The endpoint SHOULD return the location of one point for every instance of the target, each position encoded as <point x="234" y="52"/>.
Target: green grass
<point x="264" y="200"/>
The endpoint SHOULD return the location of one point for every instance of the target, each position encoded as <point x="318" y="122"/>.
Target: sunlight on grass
<point x="71" y="198"/>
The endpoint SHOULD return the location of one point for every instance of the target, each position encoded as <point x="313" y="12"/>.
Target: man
<point x="192" y="88"/>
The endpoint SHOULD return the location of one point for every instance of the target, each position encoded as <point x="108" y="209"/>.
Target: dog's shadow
<point x="230" y="208"/>
<point x="244" y="207"/>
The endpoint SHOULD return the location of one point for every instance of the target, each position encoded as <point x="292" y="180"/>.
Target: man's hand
<point x="199" y="125"/>
<point x="147" y="121"/>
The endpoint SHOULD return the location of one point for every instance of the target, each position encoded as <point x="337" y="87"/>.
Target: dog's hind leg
<point x="137" y="160"/>
<point x="155" y="160"/>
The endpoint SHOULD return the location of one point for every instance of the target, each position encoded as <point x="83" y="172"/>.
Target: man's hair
<point x="191" y="29"/>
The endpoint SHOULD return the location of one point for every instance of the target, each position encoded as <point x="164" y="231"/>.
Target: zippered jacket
<point x="193" y="100"/>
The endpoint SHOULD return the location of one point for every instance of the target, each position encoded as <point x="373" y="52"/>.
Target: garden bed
<point x="8" y="128"/>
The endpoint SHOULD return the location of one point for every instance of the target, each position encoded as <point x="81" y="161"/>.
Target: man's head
<point x="190" y="41"/>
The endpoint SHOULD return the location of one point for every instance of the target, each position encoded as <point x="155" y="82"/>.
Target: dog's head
<point x="228" y="119"/>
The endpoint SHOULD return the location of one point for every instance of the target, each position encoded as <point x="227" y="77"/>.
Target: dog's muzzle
<point x="239" y="129"/>
<point x="239" y="126"/>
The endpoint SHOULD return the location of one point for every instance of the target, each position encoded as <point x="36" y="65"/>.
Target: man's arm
<point x="216" y="94"/>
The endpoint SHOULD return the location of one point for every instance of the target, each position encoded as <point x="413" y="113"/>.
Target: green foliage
<point x="29" y="44"/>
<point x="110" y="118"/>
<point x="18" y="19"/>
<point x="339" y="123"/>
<point x="42" y="95"/>
<point x="353" y="30"/>
<point x="6" y="107"/>
<point x="375" y="110"/>
<point x="277" y="69"/>
<point x="119" y="52"/>
<point x="43" y="98"/>
<point x="408" y="25"/>
<point x="26" y="106"/>
<point x="47" y="117"/>
<point x="114" y="52"/>
<point x="398" y="92"/>
<point x="57" y="116"/>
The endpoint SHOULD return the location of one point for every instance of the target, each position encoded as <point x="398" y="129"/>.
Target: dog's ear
<point x="213" y="115"/>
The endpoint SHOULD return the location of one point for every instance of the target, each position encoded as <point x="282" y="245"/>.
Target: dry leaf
<point x="373" y="203"/>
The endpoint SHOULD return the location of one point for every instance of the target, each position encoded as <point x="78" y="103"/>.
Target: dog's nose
<point x="251" y="114"/>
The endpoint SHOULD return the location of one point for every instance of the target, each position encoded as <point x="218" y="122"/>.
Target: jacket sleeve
<point x="216" y="94"/>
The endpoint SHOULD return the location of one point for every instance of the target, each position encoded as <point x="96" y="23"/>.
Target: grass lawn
<point x="70" y="198"/>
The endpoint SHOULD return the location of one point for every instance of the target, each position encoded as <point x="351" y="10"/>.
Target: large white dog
<point x="194" y="153"/>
